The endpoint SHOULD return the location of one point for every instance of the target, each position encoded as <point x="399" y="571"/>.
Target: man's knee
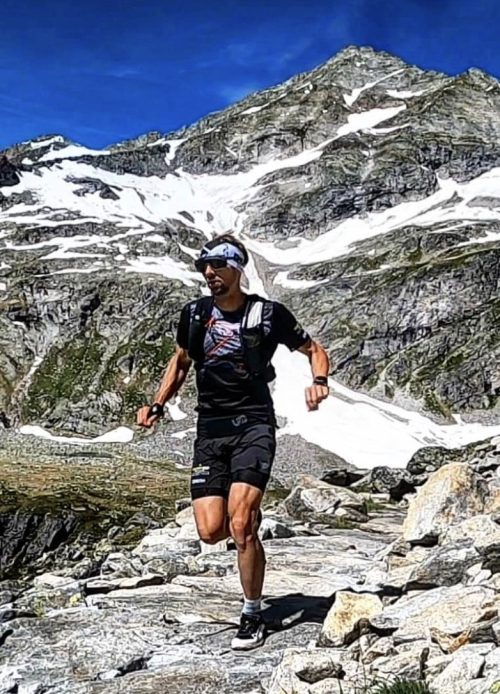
<point x="210" y="538"/>
<point x="243" y="531"/>
<point x="212" y="534"/>
<point x="210" y="515"/>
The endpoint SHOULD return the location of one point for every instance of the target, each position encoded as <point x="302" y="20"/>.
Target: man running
<point x="231" y="337"/>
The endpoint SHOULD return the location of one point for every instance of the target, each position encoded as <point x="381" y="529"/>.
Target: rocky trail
<point x="363" y="582"/>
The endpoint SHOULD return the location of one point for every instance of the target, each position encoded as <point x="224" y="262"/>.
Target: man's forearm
<point x="318" y="358"/>
<point x="172" y="380"/>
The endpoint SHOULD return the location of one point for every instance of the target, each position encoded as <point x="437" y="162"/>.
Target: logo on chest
<point x="222" y="339"/>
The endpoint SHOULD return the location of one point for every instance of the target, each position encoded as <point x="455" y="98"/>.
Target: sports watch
<point x="156" y="410"/>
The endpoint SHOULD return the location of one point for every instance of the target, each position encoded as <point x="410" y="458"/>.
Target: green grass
<point x="400" y="686"/>
<point x="73" y="370"/>
<point x="372" y="505"/>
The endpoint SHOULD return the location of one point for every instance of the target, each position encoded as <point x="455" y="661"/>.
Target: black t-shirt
<point x="225" y="387"/>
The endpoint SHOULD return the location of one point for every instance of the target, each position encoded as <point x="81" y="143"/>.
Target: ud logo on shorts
<point x="200" y="473"/>
<point x="239" y="420"/>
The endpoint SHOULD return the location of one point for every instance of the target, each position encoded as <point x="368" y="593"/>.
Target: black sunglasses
<point x="216" y="263"/>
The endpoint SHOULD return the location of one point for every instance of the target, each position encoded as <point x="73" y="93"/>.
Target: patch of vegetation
<point x="342" y="524"/>
<point x="146" y="363"/>
<point x="66" y="372"/>
<point x="415" y="256"/>
<point x="372" y="505"/>
<point x="365" y="263"/>
<point x="275" y="492"/>
<point x="130" y="537"/>
<point x="434" y="404"/>
<point x="94" y="491"/>
<point x="13" y="303"/>
<point x="400" y="686"/>
<point x="6" y="386"/>
<point x="98" y="494"/>
<point x="82" y="366"/>
<point x="453" y="361"/>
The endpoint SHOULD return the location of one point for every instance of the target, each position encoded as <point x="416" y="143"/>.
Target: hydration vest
<point x="255" y="326"/>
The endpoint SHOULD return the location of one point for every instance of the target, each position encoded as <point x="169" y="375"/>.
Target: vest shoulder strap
<point x="200" y="311"/>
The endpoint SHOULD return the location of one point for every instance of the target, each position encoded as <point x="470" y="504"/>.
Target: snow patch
<point x="384" y="131"/>
<point x="402" y="94"/>
<point x="252" y="109"/>
<point x="174" y="146"/>
<point x="165" y="266"/>
<point x="46" y="143"/>
<point x="78" y="271"/>
<point x="362" y="430"/>
<point x="174" y="410"/>
<point x="73" y="151"/>
<point x="183" y="434"/>
<point x="368" y="119"/>
<point x="36" y="363"/>
<point x="119" y="435"/>
<point x="282" y="280"/>
<point x="156" y="238"/>
<point x="355" y="94"/>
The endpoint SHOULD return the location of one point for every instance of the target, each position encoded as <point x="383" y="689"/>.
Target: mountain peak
<point x="479" y="78"/>
<point x="367" y="55"/>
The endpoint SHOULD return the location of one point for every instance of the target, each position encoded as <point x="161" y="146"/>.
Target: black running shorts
<point x="243" y="457"/>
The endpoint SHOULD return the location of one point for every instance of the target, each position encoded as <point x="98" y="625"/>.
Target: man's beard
<point x="218" y="289"/>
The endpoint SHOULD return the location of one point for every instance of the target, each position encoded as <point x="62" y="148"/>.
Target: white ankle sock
<point x="252" y="606"/>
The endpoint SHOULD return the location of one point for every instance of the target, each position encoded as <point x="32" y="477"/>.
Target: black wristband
<point x="156" y="410"/>
<point x="320" y="381"/>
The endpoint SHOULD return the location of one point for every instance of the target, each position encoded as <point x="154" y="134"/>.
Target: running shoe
<point x="250" y="634"/>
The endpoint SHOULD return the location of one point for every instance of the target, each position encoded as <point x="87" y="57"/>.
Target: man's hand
<point x="320" y="367"/>
<point x="144" y="419"/>
<point x="314" y="395"/>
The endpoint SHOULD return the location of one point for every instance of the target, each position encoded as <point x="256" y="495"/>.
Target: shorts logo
<point x="239" y="420"/>
<point x="263" y="466"/>
<point x="199" y="474"/>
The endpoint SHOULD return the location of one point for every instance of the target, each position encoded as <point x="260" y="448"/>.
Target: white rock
<point x="481" y="529"/>
<point x="133" y="582"/>
<point x="463" y="668"/>
<point x="345" y="614"/>
<point x="270" y="528"/>
<point x="185" y="516"/>
<point x="299" y="669"/>
<point x="49" y="580"/>
<point x="451" y="495"/>
<point x="451" y="609"/>
<point x="492" y="664"/>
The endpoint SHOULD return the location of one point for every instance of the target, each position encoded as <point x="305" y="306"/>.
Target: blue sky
<point x="103" y="71"/>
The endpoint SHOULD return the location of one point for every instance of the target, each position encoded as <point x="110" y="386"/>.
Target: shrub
<point x="400" y="686"/>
